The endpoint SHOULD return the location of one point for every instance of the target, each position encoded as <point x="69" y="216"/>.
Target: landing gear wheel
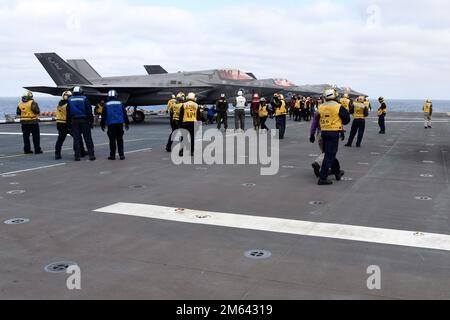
<point x="138" y="117"/>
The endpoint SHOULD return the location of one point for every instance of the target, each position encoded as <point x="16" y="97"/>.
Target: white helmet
<point x="181" y="96"/>
<point x="77" y="90"/>
<point x="112" y="94"/>
<point x="222" y="95"/>
<point x="330" y="94"/>
<point x="191" y="96"/>
<point x="240" y="93"/>
<point x="28" y="94"/>
<point x="66" y="95"/>
<point x="428" y="100"/>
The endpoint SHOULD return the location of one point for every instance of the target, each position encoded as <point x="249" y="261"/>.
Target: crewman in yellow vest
<point x="367" y="104"/>
<point x="189" y="115"/>
<point x="428" y="112"/>
<point x="360" y="112"/>
<point x="98" y="111"/>
<point x="280" y="112"/>
<point x="175" y="117"/>
<point x="382" y="111"/>
<point x="61" y="125"/>
<point x="345" y="102"/>
<point x="171" y="103"/>
<point x="332" y="117"/>
<point x="297" y="109"/>
<point x="263" y="113"/>
<point x="307" y="106"/>
<point x="28" y="110"/>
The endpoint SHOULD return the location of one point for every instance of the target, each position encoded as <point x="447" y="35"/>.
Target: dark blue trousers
<point x="358" y="127"/>
<point x="82" y="129"/>
<point x="281" y="125"/>
<point x="33" y="130"/>
<point x="382" y="123"/>
<point x="330" y="146"/>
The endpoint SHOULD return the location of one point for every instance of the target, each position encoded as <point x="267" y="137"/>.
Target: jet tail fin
<point x="251" y="75"/>
<point x="60" y="71"/>
<point x="86" y="70"/>
<point x="155" y="69"/>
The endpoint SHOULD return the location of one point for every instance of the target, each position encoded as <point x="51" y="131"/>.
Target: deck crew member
<point x="80" y="121"/>
<point x="174" y="113"/>
<point x="367" y="104"/>
<point x="170" y="104"/>
<point x="189" y="115"/>
<point x="239" y="112"/>
<point x="315" y="129"/>
<point x="345" y="101"/>
<point x="280" y="111"/>
<point x="115" y="117"/>
<point x="255" y="111"/>
<point x="332" y="117"/>
<point x="428" y="112"/>
<point x="28" y="110"/>
<point x="263" y="113"/>
<point x="98" y="110"/>
<point x="61" y="125"/>
<point x="309" y="115"/>
<point x="382" y="110"/>
<point x="297" y="108"/>
<point x="360" y="112"/>
<point x="222" y="112"/>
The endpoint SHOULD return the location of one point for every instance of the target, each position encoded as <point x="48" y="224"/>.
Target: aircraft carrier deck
<point x="397" y="201"/>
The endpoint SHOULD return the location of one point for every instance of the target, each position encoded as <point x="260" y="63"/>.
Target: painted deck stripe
<point x="413" y="121"/>
<point x="137" y="151"/>
<point x="295" y="227"/>
<point x="20" y="133"/>
<point x="32" y="169"/>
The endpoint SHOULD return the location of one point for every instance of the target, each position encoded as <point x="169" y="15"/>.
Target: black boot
<point x="324" y="182"/>
<point x="340" y="175"/>
<point x="316" y="168"/>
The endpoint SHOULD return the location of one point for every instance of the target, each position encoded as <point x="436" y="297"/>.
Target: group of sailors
<point x="329" y="116"/>
<point x="74" y="117"/>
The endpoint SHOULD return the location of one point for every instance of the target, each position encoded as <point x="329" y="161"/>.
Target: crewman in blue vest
<point x="61" y="125"/>
<point x="332" y="116"/>
<point x="115" y="117"/>
<point x="80" y="121"/>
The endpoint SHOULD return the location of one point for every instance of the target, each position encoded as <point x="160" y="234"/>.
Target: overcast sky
<point x="397" y="49"/>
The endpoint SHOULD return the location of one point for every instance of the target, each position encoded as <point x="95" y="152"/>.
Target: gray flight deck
<point x="125" y="257"/>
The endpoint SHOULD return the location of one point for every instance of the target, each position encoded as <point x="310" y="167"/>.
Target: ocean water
<point x="9" y="105"/>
